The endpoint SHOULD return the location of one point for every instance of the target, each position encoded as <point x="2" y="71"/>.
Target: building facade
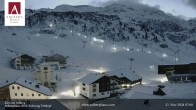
<point x="56" y="61"/>
<point x="98" y="86"/>
<point x="44" y="75"/>
<point x="22" y="89"/>
<point x="179" y="73"/>
<point x="23" y="62"/>
<point x="94" y="86"/>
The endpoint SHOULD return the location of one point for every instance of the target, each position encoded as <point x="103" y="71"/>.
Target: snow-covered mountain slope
<point x="49" y="32"/>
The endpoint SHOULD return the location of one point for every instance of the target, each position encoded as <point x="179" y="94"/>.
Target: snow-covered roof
<point x="124" y="73"/>
<point x="138" y="95"/>
<point x="180" y="90"/>
<point x="28" y="84"/>
<point x="90" y="78"/>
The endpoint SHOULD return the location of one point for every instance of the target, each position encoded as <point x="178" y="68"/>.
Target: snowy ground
<point x="97" y="56"/>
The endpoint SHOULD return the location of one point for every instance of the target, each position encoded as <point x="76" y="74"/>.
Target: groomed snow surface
<point x="96" y="57"/>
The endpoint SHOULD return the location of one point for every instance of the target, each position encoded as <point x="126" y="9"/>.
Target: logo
<point x="14" y="12"/>
<point x="14" y="8"/>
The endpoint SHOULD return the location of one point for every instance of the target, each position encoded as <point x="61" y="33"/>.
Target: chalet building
<point x="125" y="78"/>
<point x="23" y="62"/>
<point x="56" y="61"/>
<point x="108" y="84"/>
<point x="44" y="75"/>
<point x="179" y="73"/>
<point x="95" y="86"/>
<point x="22" y="89"/>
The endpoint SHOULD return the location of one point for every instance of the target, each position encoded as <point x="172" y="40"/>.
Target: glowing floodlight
<point x="85" y="37"/>
<point x="114" y="48"/>
<point x="164" y="55"/>
<point x="100" y="70"/>
<point x="128" y="49"/>
<point x="164" y="79"/>
<point x="149" y="52"/>
<point x="38" y="35"/>
<point x="152" y="67"/>
<point x="51" y="25"/>
<point x="79" y="34"/>
<point x="53" y="97"/>
<point x="98" y="40"/>
<point x="71" y="92"/>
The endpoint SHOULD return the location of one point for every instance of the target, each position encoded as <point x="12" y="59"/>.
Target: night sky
<point x="183" y="8"/>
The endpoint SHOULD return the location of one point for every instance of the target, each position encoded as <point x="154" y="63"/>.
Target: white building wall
<point x="86" y="91"/>
<point x="45" y="75"/>
<point x="17" y="63"/>
<point x="27" y="93"/>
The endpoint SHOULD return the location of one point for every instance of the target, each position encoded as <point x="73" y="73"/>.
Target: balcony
<point x="114" y="88"/>
<point x="113" y="84"/>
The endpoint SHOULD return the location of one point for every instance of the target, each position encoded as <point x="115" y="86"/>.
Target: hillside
<point x="113" y="35"/>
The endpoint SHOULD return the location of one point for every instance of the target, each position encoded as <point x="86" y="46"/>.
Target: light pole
<point x="72" y="30"/>
<point x="84" y="43"/>
<point x="176" y="56"/>
<point x="131" y="59"/>
<point x="195" y="42"/>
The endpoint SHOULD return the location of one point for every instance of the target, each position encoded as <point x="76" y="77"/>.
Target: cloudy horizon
<point x="181" y="8"/>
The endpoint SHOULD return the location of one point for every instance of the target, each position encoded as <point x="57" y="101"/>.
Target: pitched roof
<point x="124" y="73"/>
<point x="28" y="84"/>
<point x="56" y="56"/>
<point x="25" y="56"/>
<point x="90" y="78"/>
